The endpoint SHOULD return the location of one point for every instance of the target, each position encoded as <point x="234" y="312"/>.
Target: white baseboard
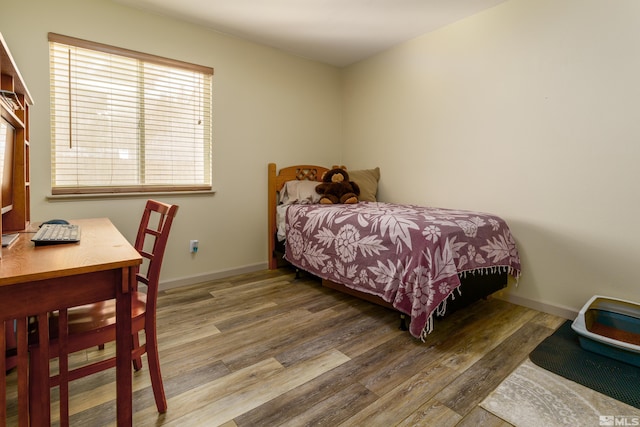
<point x="200" y="278"/>
<point x="563" y="312"/>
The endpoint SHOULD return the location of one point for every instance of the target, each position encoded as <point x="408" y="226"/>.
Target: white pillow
<point x="301" y="192"/>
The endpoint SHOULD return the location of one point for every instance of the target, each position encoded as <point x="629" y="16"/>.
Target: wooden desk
<point x="37" y="280"/>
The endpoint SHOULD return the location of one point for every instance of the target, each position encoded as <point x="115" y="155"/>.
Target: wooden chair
<point x="93" y="325"/>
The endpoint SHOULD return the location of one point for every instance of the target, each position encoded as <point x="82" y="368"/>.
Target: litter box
<point x="610" y="327"/>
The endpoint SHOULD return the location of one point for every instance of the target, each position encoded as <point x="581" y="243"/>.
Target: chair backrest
<point x="151" y="242"/>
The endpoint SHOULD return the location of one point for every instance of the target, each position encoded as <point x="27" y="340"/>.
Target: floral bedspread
<point x="410" y="256"/>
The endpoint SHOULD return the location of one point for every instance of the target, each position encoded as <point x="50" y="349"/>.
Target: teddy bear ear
<point x="339" y="167"/>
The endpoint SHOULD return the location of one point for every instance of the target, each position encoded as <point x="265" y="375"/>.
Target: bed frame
<point x="474" y="287"/>
<point x="276" y="182"/>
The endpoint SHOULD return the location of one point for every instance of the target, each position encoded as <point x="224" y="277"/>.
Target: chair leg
<point x="154" y="370"/>
<point x="137" y="362"/>
<point x="35" y="375"/>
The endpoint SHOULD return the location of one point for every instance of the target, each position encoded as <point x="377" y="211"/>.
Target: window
<point x="124" y="121"/>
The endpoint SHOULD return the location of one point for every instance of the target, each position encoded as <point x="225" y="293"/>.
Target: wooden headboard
<point x="276" y="182"/>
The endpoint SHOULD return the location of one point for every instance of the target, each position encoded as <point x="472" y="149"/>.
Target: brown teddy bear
<point x="336" y="187"/>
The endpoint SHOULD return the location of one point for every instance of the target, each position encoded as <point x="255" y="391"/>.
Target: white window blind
<point x="125" y="121"/>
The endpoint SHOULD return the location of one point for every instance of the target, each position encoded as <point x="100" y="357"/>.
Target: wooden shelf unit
<point x="11" y="80"/>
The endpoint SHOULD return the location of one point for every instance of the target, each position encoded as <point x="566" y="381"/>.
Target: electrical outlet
<point x="193" y="246"/>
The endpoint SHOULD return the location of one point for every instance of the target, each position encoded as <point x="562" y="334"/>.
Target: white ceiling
<point x="337" y="32"/>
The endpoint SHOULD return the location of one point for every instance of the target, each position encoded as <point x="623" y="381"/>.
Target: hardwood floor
<point x="266" y="349"/>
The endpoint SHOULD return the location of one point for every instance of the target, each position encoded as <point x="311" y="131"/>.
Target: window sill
<point x="139" y="195"/>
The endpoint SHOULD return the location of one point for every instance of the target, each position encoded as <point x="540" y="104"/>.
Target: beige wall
<point x="529" y="110"/>
<point x="268" y="106"/>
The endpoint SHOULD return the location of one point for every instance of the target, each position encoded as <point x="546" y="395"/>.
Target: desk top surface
<point x="101" y="247"/>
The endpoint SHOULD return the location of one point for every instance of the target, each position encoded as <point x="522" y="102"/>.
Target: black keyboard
<point x="53" y="234"/>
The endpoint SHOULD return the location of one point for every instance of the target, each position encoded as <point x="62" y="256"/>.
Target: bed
<point x="421" y="261"/>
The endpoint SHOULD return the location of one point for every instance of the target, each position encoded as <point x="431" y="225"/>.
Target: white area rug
<point x="534" y="397"/>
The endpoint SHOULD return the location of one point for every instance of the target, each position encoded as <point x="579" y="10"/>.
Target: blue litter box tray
<point x="610" y="327"/>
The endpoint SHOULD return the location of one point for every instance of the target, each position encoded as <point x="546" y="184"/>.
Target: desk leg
<point x="23" y="375"/>
<point x="123" y="348"/>
<point x="39" y="390"/>
<point x="3" y="381"/>
<point x="63" y="365"/>
<point x="10" y="342"/>
<point x="23" y="378"/>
